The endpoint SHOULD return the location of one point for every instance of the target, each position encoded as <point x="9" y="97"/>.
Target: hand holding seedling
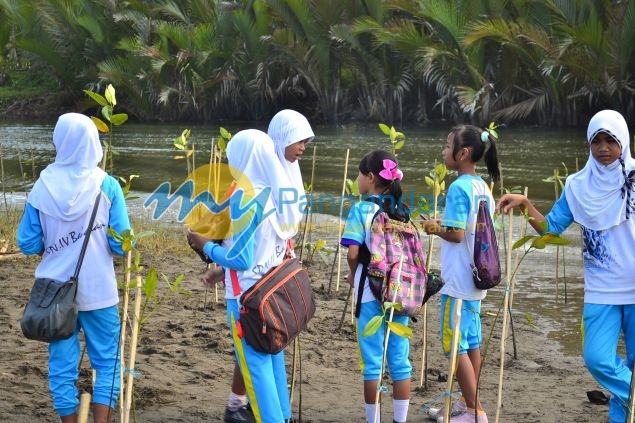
<point x="430" y="226"/>
<point x="213" y="276"/>
<point x="509" y="201"/>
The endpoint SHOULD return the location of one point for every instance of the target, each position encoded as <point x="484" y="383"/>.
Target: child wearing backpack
<point x="380" y="178"/>
<point x="466" y="145"/>
<point x="600" y="198"/>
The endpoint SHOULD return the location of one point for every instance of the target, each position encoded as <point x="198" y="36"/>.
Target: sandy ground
<point x="185" y="359"/>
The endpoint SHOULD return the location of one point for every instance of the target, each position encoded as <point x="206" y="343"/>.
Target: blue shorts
<point x="371" y="348"/>
<point x="265" y="376"/>
<point x="470" y="337"/>
<point x="101" y="333"/>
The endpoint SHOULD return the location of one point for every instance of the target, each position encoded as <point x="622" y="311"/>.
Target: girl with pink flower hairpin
<point x="379" y="180"/>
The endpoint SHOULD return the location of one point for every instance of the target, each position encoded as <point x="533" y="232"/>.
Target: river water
<point x="527" y="156"/>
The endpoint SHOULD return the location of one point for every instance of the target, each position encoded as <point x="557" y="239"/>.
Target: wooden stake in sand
<point x="338" y="250"/>
<point x="508" y="277"/>
<point x="308" y="213"/>
<point x="383" y="360"/>
<point x="125" y="417"/>
<point x="454" y="355"/>
<point x="631" y="399"/>
<point x="423" y="381"/>
<point x="84" y="407"/>
<point x="124" y="325"/>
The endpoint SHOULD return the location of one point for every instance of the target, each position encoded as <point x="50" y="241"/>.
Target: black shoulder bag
<point x="51" y="313"/>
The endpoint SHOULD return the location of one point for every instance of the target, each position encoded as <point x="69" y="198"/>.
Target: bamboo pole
<point x="631" y="399"/>
<point x="454" y="353"/>
<point x="84" y="407"/>
<point x="133" y="351"/>
<point x="423" y="380"/>
<point x="306" y="224"/>
<point x="339" y="232"/>
<point x="124" y="325"/>
<point x="294" y="368"/>
<point x="338" y="250"/>
<point x="383" y="360"/>
<point x="212" y="162"/>
<point x="508" y="276"/>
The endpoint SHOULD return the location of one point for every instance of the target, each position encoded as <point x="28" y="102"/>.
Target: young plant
<point x="397" y="139"/>
<point x="107" y="102"/>
<point x="181" y="143"/>
<point x="558" y="185"/>
<point x="375" y="323"/>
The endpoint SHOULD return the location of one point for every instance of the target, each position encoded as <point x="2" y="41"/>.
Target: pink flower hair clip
<point x="390" y="171"/>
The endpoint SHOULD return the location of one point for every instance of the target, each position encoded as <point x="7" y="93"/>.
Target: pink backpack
<point x="390" y="241"/>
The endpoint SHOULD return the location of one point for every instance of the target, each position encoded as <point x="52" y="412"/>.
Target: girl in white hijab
<point x="250" y="254"/>
<point x="290" y="132"/>
<point x="56" y="216"/>
<point x="600" y="198"/>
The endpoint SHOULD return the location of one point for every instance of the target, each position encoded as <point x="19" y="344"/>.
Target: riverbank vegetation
<point x="545" y="62"/>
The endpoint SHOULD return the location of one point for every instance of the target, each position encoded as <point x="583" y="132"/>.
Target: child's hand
<point x="350" y="279"/>
<point x="213" y="276"/>
<point x="509" y="201"/>
<point x="430" y="226"/>
<point x="197" y="242"/>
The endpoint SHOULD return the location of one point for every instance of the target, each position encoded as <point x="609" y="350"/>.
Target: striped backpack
<point x="394" y="263"/>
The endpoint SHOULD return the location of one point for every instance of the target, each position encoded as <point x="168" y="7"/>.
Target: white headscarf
<point x="68" y="187"/>
<point x="288" y="127"/>
<point x="252" y="152"/>
<point x="600" y="196"/>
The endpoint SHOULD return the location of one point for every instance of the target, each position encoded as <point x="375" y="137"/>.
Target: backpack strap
<point x="364" y="259"/>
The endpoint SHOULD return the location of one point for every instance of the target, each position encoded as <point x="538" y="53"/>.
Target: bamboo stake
<point x="84" y="407"/>
<point x="294" y="368"/>
<point x="311" y="210"/>
<point x="383" y="360"/>
<point x="338" y="250"/>
<point x="209" y="182"/>
<point x="133" y="351"/>
<point x="423" y="380"/>
<point x="631" y="399"/>
<point x="508" y="273"/>
<point x="124" y="325"/>
<point x="454" y="354"/>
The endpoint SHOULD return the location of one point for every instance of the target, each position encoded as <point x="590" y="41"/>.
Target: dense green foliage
<point x="549" y="62"/>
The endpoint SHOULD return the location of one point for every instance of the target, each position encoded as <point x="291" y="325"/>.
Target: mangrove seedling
<point x="107" y="102"/>
<point x="397" y="139"/>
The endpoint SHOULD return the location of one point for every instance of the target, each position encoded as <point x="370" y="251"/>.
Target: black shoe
<point x="241" y="415"/>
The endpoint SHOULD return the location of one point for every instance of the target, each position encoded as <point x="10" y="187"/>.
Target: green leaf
<point x="393" y="134"/>
<point x="127" y="245"/>
<point x="119" y="119"/>
<point x="100" y="124"/>
<point x="373" y="325"/>
<point x="494" y="133"/>
<point x="225" y="133"/>
<point x="441" y="170"/>
<point x="222" y="144"/>
<point x="429" y="181"/>
<point x="399" y="135"/>
<point x="114" y="235"/>
<point x="144" y="234"/>
<point x="399" y="145"/>
<point x="384" y="128"/>
<point x="106" y="112"/>
<point x="110" y="95"/>
<point x="400" y="329"/>
<point x="150" y="285"/>
<point x="99" y="99"/>
<point x="538" y="244"/>
<point x="522" y="241"/>
<point x="320" y="244"/>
